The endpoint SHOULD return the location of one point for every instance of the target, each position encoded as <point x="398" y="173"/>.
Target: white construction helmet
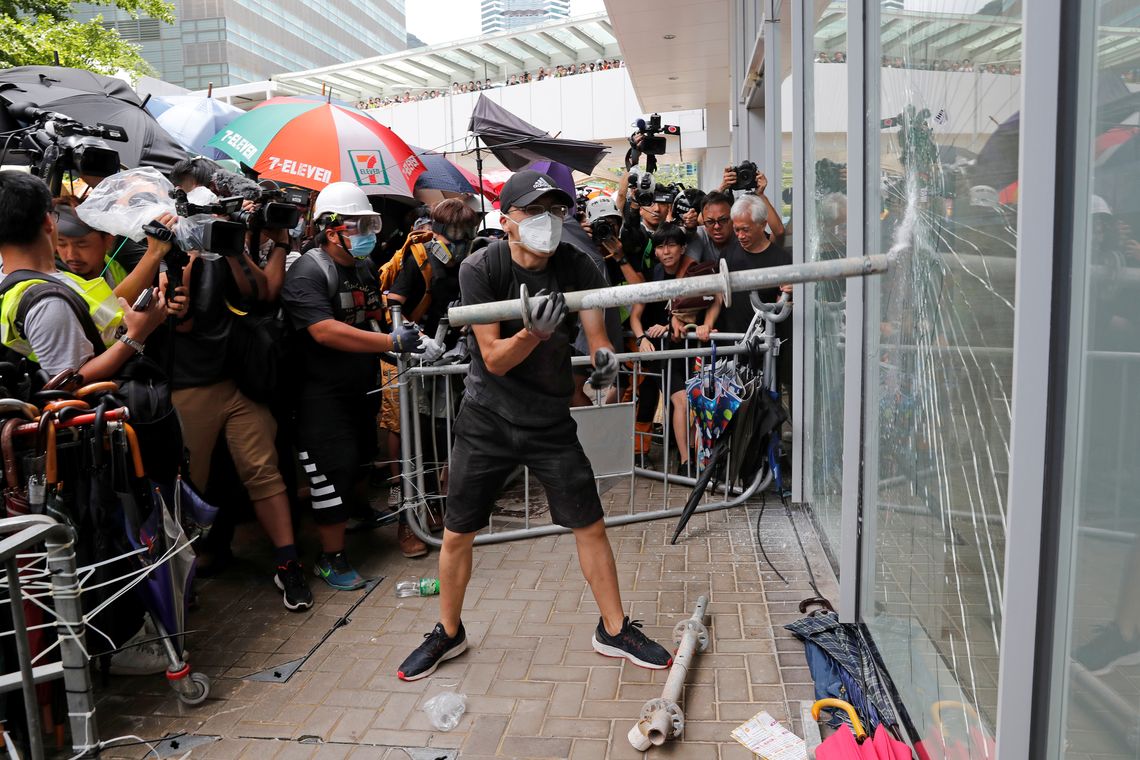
<point x="342" y="198"/>
<point x="600" y="208"/>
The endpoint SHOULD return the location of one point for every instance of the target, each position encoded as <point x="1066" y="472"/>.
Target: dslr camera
<point x="745" y="176"/>
<point x="602" y="230"/>
<point x="55" y="144"/>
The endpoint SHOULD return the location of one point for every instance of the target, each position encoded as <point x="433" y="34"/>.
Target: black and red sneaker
<point x="437" y="647"/>
<point x="631" y="644"/>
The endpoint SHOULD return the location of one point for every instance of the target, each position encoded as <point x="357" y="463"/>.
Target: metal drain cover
<point x="176" y="746"/>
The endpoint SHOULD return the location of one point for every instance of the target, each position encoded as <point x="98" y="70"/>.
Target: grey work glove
<point x="407" y="339"/>
<point x="432" y="350"/>
<point x="547" y="310"/>
<point x="605" y="369"/>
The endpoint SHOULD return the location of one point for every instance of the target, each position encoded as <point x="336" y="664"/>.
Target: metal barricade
<point x="416" y="381"/>
<point x="18" y="535"/>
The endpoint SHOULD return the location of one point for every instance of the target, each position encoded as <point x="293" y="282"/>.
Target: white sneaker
<point x="140" y="659"/>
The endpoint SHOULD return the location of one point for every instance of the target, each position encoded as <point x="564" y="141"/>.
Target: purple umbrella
<point x="562" y="175"/>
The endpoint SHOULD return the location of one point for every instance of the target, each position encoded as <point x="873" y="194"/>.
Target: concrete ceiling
<point x="689" y="71"/>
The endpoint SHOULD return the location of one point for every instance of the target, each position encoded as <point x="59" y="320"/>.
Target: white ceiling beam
<point x="403" y="78"/>
<point x="589" y="41"/>
<point x="479" y="61"/>
<point x="518" y="62"/>
<point x="566" y="49"/>
<point x="531" y="50"/>
<point x="469" y="73"/>
<point x="441" y="75"/>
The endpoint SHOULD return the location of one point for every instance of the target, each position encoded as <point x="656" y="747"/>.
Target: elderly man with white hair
<point x="756" y="251"/>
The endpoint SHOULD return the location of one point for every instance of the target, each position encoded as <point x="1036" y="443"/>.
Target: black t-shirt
<point x="537" y="391"/>
<point x="200" y="355"/>
<point x="735" y="318"/>
<point x="409" y="284"/>
<point x="657" y="313"/>
<point x="326" y="372"/>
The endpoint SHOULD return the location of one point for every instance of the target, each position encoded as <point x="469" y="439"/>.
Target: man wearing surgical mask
<point x="516" y="411"/>
<point x="332" y="300"/>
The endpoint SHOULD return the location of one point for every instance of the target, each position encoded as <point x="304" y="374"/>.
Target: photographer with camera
<point x="333" y="300"/>
<point x="93" y="254"/>
<point x="649" y="207"/>
<point x="685" y="212"/>
<point x="58" y="319"/>
<point x="747" y="178"/>
<point x="222" y="284"/>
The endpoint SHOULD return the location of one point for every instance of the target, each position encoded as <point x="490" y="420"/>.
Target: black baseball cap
<point x="69" y="223"/>
<point x="525" y="187"/>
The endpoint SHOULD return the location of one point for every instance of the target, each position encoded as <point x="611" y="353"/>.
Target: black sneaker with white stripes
<point x="631" y="644"/>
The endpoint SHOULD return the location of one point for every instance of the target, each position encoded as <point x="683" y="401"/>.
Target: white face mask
<point x="541" y="233"/>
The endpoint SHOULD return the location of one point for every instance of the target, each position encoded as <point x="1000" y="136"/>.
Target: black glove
<point x="406" y="339"/>
<point x="547" y="310"/>
<point x="605" y="369"/>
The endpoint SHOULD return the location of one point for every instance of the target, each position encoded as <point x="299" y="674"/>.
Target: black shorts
<point x="335" y="442"/>
<point x="487" y="447"/>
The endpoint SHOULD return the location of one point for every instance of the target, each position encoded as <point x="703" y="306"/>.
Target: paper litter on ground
<point x="764" y="735"/>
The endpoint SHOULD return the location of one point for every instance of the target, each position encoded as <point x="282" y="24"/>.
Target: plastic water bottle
<point x="418" y="587"/>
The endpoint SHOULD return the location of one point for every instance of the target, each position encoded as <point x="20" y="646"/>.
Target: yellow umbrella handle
<point x="950" y="704"/>
<point x="860" y="734"/>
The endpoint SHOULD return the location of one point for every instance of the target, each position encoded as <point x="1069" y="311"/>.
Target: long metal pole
<point x="71" y="631"/>
<point x="649" y="292"/>
<point x="24" y="658"/>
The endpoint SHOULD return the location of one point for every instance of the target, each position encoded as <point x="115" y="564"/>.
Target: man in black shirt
<point x="516" y="411"/>
<point x="333" y="299"/>
<point x="757" y="251"/>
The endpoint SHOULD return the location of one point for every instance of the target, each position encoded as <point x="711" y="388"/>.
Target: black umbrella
<point x="516" y="143"/>
<point x="91" y="98"/>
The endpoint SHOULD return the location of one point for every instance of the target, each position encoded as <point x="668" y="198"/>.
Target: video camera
<point x="55" y="144"/>
<point x="745" y="176"/>
<point x="274" y="209"/>
<point x="652" y="142"/>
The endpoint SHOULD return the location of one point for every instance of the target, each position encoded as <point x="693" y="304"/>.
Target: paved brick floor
<point x="535" y="689"/>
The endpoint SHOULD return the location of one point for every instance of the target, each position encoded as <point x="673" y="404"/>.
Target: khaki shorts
<point x="250" y="433"/>
<point x="389" y="398"/>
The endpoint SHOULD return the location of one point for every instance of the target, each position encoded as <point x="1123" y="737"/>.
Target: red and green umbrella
<point x="312" y="143"/>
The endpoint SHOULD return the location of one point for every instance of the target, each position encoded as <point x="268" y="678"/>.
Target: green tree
<point x="34" y="32"/>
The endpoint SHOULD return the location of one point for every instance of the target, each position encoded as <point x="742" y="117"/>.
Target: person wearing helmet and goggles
<point x="332" y="299"/>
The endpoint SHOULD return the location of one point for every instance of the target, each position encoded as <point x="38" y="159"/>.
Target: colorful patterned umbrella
<point x="312" y="143"/>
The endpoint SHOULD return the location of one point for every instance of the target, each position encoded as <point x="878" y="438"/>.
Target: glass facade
<point x="1096" y="672"/>
<point x="938" y="384"/>
<point x="225" y="42"/>
<point x="825" y="230"/>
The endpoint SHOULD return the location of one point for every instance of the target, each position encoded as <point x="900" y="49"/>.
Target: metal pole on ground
<point x="662" y="718"/>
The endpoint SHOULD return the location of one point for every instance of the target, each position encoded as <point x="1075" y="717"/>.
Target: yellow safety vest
<point x="97" y="294"/>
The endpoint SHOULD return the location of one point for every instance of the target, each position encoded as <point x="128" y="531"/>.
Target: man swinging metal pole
<point x="724" y="283"/>
<point x="516" y="411"/>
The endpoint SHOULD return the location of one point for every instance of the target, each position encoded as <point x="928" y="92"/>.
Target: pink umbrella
<point x="847" y="745"/>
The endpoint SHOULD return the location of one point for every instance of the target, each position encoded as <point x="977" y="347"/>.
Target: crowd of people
<point x="938" y="64"/>
<point x="353" y="295"/>
<point x="526" y="77"/>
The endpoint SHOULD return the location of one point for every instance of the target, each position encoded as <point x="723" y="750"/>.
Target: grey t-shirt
<point x="56" y="337"/>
